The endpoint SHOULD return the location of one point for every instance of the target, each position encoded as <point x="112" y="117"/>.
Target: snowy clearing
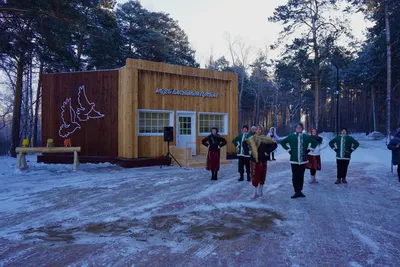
<point x="103" y="215"/>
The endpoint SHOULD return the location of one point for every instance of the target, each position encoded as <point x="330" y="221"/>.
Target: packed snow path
<point x="105" y="215"/>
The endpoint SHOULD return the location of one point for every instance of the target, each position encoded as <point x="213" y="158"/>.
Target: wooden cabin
<point x="119" y="115"/>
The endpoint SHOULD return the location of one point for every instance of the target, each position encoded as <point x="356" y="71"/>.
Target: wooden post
<point x="24" y="161"/>
<point x="76" y="161"/>
<point x="19" y="161"/>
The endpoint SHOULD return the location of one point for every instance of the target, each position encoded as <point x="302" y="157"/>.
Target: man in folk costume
<point x="214" y="142"/>
<point x="299" y="146"/>
<point x="314" y="157"/>
<point x="272" y="134"/>
<point x="260" y="146"/>
<point x="343" y="145"/>
<point x="244" y="158"/>
<point x="394" y="145"/>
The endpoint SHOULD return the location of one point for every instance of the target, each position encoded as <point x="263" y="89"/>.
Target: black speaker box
<point x="168" y="134"/>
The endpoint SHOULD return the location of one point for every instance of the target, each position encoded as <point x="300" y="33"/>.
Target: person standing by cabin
<point x="299" y="146"/>
<point x="260" y="146"/>
<point x="272" y="134"/>
<point x="394" y="145"/>
<point x="343" y="145"/>
<point x="214" y="142"/>
<point x="244" y="158"/>
<point x="314" y="157"/>
<point x="253" y="130"/>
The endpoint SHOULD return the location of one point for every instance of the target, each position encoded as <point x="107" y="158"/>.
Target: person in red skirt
<point x="214" y="142"/>
<point x="314" y="157"/>
<point x="260" y="147"/>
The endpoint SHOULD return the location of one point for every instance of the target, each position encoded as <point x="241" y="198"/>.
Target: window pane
<point x="208" y="121"/>
<point x="153" y="122"/>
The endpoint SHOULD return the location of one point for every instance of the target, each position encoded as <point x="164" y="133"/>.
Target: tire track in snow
<point x="205" y="251"/>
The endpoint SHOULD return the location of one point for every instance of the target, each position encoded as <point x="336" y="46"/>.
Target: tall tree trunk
<point x="316" y="72"/>
<point x="276" y="109"/>
<point x="31" y="117"/>
<point x="389" y="69"/>
<point x="373" y="109"/>
<point x="79" y="52"/>
<point x="16" y="121"/>
<point x="240" y="99"/>
<point x="37" y="103"/>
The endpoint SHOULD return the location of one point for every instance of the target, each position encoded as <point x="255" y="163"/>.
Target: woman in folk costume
<point x="343" y="145"/>
<point x="260" y="146"/>
<point x="314" y="157"/>
<point x="272" y="134"/>
<point x="214" y="142"/>
<point x="299" y="146"/>
<point x="244" y="157"/>
<point x="394" y="145"/>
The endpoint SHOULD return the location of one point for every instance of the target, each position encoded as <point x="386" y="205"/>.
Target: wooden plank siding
<point x="97" y="137"/>
<point x="118" y="94"/>
<point x="150" y="76"/>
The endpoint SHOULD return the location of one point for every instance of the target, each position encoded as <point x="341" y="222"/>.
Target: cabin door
<point x="186" y="130"/>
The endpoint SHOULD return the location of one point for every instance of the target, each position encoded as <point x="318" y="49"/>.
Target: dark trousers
<point x="342" y="166"/>
<point x="244" y="161"/>
<point x="398" y="171"/>
<point x="298" y="177"/>
<point x="272" y="155"/>
<point x="313" y="172"/>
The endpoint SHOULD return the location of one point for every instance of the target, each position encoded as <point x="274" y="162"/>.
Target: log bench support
<point x="22" y="151"/>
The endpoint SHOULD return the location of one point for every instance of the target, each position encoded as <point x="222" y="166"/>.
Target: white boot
<point x="260" y="190"/>
<point x="254" y="195"/>
<point x="313" y="181"/>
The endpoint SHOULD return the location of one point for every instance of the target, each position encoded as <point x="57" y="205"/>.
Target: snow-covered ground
<point x="103" y="215"/>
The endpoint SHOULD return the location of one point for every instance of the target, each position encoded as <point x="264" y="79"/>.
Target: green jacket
<point x="344" y="146"/>
<point x="299" y="146"/>
<point x="238" y="143"/>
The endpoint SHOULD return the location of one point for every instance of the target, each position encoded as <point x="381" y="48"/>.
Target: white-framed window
<point x="152" y="122"/>
<point x="208" y="120"/>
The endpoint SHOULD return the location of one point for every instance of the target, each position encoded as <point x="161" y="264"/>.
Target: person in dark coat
<point x="344" y="145"/>
<point x="298" y="145"/>
<point x="214" y="142"/>
<point x="244" y="158"/>
<point x="394" y="145"/>
<point x="260" y="147"/>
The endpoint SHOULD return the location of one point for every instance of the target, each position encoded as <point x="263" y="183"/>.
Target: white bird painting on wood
<point x="86" y="109"/>
<point x="68" y="116"/>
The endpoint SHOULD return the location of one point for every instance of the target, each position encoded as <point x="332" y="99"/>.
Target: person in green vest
<point x="244" y="156"/>
<point x="343" y="145"/>
<point x="298" y="145"/>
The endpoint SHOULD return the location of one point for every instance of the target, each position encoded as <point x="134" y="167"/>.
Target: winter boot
<point x="302" y="195"/>
<point x="260" y="190"/>
<point x="254" y="195"/>
<point x="344" y="181"/>
<point x="338" y="181"/>
<point x="296" y="195"/>
<point x="313" y="180"/>
<point x="241" y="178"/>
<point x="214" y="176"/>
<point x="249" y="178"/>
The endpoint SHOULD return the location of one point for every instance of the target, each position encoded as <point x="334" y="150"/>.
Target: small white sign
<point x="162" y="91"/>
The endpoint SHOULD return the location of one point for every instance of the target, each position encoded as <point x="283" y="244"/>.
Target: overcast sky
<point x="206" y="22"/>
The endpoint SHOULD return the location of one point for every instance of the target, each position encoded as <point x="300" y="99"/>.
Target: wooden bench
<point x="24" y="150"/>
